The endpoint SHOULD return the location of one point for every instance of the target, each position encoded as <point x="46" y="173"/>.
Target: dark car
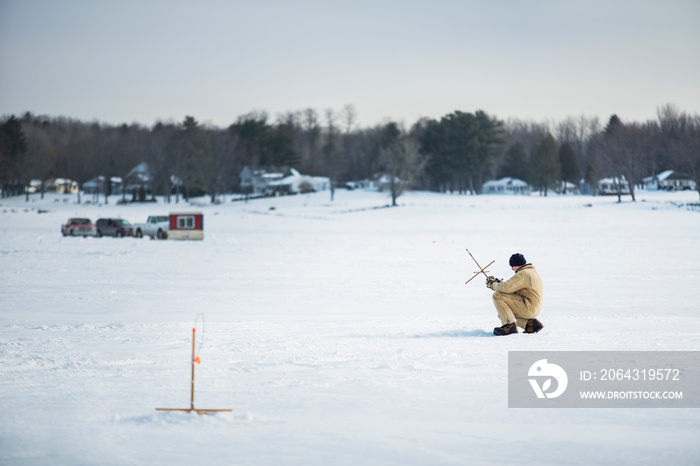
<point x="114" y="227"/>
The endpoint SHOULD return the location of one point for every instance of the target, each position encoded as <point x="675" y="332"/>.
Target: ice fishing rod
<point x="481" y="269"/>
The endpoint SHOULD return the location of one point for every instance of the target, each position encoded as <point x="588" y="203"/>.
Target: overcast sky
<point x="143" y="61"/>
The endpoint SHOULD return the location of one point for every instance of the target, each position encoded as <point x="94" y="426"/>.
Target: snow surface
<point x="338" y="332"/>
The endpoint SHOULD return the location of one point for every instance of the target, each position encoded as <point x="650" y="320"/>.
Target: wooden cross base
<point x="198" y="411"/>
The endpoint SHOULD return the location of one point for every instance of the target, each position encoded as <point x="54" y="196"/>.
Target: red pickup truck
<point x="79" y="227"/>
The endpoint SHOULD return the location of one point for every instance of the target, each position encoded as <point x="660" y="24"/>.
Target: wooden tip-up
<point x="197" y="410"/>
<point x="192" y="408"/>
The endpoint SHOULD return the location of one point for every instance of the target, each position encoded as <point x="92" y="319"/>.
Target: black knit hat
<point x="517" y="260"/>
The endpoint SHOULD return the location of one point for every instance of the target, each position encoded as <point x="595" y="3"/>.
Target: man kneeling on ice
<point x="519" y="299"/>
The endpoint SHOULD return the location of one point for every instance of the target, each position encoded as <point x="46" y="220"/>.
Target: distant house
<point x="505" y="185"/>
<point x="33" y="186"/>
<point x="383" y="182"/>
<point x="94" y="186"/>
<point x="296" y="183"/>
<point x="609" y="186"/>
<point x="97" y="185"/>
<point x="61" y="186"/>
<point x="669" y="180"/>
<point x="653" y="183"/>
<point x="568" y="188"/>
<point x="139" y="177"/>
<point x="678" y="181"/>
<point x="257" y="181"/>
<point x="262" y="182"/>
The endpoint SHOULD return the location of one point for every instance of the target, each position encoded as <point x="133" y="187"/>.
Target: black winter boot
<point x="506" y="329"/>
<point x="533" y="326"/>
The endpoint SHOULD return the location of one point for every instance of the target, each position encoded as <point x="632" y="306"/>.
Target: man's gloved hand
<point x="490" y="281"/>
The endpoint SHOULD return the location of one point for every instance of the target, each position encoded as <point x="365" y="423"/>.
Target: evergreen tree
<point x="569" y="165"/>
<point x="491" y="141"/>
<point x="13" y="147"/>
<point x="189" y="149"/>
<point x="280" y="145"/>
<point x="515" y="163"/>
<point x="438" y="168"/>
<point x="461" y="149"/>
<point x="613" y="124"/>
<point x="253" y="132"/>
<point x="390" y="134"/>
<point x="545" y="168"/>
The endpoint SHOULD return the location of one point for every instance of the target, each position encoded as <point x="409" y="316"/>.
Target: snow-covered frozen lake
<point x="338" y="332"/>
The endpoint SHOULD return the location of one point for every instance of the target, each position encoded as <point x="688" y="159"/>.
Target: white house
<point x="609" y="186"/>
<point x="33" y="186"/>
<point x="568" y="188"/>
<point x="290" y="182"/>
<point x="653" y="182"/>
<point x="678" y="181"/>
<point x="257" y="181"/>
<point x="298" y="183"/>
<point x="61" y="186"/>
<point x="384" y="182"/>
<point x="669" y="180"/>
<point x="505" y="185"/>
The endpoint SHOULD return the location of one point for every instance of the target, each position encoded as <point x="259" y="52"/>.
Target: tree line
<point x="456" y="153"/>
<point x="582" y="151"/>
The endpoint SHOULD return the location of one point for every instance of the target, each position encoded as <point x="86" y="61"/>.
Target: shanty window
<point x="185" y="223"/>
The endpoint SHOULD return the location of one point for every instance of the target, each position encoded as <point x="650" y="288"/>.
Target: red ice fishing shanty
<point x="186" y="225"/>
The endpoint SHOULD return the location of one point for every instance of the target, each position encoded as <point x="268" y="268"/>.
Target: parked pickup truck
<point x="156" y="226"/>
<point x="79" y="227"/>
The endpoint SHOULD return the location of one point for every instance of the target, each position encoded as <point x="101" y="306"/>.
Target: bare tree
<point x="348" y="118"/>
<point x="156" y="156"/>
<point x="581" y="132"/>
<point x="330" y="149"/>
<point x="311" y="129"/>
<point x="680" y="134"/>
<point x="688" y="149"/>
<point x="627" y="151"/>
<point x="525" y="132"/>
<point x="217" y="161"/>
<point x="403" y="164"/>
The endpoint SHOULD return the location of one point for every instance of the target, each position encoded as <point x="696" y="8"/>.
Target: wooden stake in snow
<point x="481" y="270"/>
<point x="192" y="408"/>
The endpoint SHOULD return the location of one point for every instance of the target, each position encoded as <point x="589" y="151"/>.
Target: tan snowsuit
<point x="519" y="298"/>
